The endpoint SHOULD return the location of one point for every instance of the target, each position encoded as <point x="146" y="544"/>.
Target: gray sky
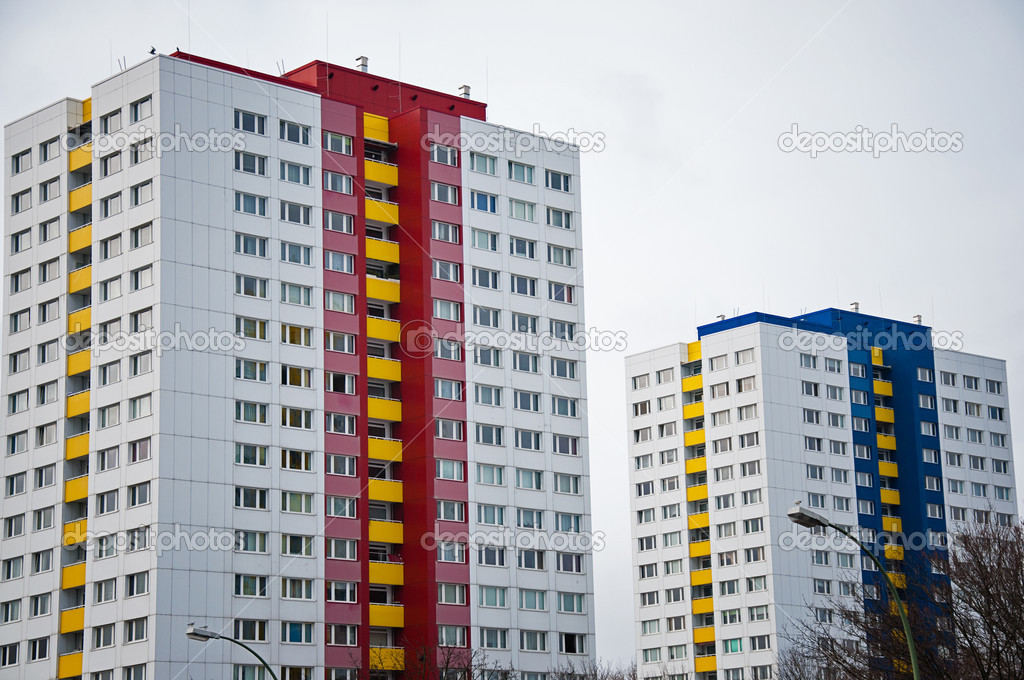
<point x="691" y="210"/>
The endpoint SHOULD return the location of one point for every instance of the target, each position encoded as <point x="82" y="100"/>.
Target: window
<point x="522" y="210"/>
<point x="141" y="193"/>
<point x="338" y="143"/>
<point x="556" y="180"/>
<point x="339" y="222"/>
<point x="295" y="213"/>
<point x="21" y="161"/>
<point x="249" y="204"/>
<point x="103" y="636"/>
<point x="49" y="189"/>
<point x="484" y="202"/>
<point x="522" y="285"/>
<point x="565" y="445"/>
<point x="993" y="386"/>
<point x="340" y="549"/>
<point x="296" y="546"/>
<point x="141" y="278"/>
<point x="140" y="407"/>
<point x="138" y="494"/>
<point x="135" y="630"/>
<point x="21" y="202"/>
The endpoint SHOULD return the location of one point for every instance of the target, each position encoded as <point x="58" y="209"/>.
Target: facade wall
<point x="303" y="440"/>
<point x="764" y="412"/>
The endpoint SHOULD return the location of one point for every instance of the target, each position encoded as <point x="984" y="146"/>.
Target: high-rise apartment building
<point x="858" y="418"/>
<point x="240" y="390"/>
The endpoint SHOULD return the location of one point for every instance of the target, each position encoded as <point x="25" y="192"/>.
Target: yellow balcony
<point x="381" y="531"/>
<point x="704" y="635"/>
<point x="387" y="615"/>
<point x="883" y="387"/>
<point x="375" y="127"/>
<point x="381" y="173"/>
<point x="693" y="382"/>
<point x="78" y="404"/>
<point x="76" y="489"/>
<point x="700" y="577"/>
<point x="696" y="465"/>
<point x="387" y="573"/>
<point x="385" y="251"/>
<point x="72" y="576"/>
<point x="699" y="520"/>
<point x="704" y="605"/>
<point x="78" y="362"/>
<point x="77" y="446"/>
<point x="695" y="410"/>
<point x="80" y="321"/>
<point x="74" y="532"/>
<point x="387" y="659"/>
<point x="383" y="329"/>
<point x="69" y="665"/>
<point x="876" y="356"/>
<point x="383" y="369"/>
<point x="693" y="351"/>
<point x="384" y="490"/>
<point x="72" y="620"/>
<point x="893" y="552"/>
<point x="80" y="157"/>
<point x="80" y="198"/>
<point x="705" y="664"/>
<point x="382" y="289"/>
<point x="884" y="415"/>
<point x="385" y="449"/>
<point x="898" y="580"/>
<point x="892" y="524"/>
<point x="887" y="442"/>
<point x="87" y="110"/>
<point x="697" y="493"/>
<point x="80" y="279"/>
<point x="700" y="549"/>
<point x="80" y="238"/>
<point x="887" y="469"/>
<point x="694" y="437"/>
<point x="890" y="496"/>
<point x="384" y="409"/>
<point x="378" y="211"/>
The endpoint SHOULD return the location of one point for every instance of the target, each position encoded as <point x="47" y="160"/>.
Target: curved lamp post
<point x="806" y="518"/>
<point x="205" y="635"/>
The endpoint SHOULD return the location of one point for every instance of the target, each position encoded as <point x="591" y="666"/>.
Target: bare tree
<point x="965" y="608"/>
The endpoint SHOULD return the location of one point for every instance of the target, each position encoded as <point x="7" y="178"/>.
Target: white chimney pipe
<point x="917" y="319"/>
<point x="464" y="91"/>
<point x="363" y="64"/>
<point x="855" y="307"/>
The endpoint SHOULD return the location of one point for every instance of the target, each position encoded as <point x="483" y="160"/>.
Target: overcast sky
<point x="691" y="210"/>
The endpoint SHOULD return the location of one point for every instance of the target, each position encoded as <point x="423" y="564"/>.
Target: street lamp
<point x="205" y="635"/>
<point x="806" y="518"/>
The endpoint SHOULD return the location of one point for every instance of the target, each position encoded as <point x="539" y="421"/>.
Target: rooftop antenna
<point x="188" y="14"/>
